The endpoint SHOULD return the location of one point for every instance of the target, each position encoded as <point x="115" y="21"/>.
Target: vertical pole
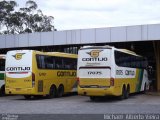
<point x="158" y="65"/>
<point x="156" y="45"/>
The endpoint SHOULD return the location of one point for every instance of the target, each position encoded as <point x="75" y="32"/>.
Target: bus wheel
<point x="28" y="97"/>
<point x="52" y="92"/>
<point x="60" y="91"/>
<point x="92" y="98"/>
<point x="127" y="92"/>
<point x="123" y="93"/>
<point x="2" y="91"/>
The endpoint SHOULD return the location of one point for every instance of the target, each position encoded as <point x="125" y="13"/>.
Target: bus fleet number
<point x="94" y="73"/>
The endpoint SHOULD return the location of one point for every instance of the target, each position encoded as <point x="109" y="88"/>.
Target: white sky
<point x="81" y="14"/>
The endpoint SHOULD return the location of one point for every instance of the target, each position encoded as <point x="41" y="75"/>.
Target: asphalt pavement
<point x="80" y="105"/>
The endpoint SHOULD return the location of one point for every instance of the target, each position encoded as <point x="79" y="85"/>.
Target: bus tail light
<point x="33" y="79"/>
<point x="112" y="82"/>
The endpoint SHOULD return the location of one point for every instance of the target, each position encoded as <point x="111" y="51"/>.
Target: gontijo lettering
<point x="17" y="68"/>
<point x="65" y="73"/>
<point x="94" y="59"/>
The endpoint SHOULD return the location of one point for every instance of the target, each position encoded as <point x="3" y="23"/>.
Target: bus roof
<point x="110" y="47"/>
<point x="60" y="54"/>
<point x="97" y="47"/>
<point x="128" y="52"/>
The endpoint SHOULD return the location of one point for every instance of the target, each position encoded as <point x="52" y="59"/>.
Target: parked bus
<point x="108" y="71"/>
<point x="34" y="73"/>
<point x="2" y="71"/>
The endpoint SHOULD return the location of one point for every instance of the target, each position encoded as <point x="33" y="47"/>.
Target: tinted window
<point x="52" y="62"/>
<point x="127" y="60"/>
<point x="70" y="63"/>
<point x="40" y="61"/>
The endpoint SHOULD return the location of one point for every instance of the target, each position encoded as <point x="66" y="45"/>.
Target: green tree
<point x="26" y="19"/>
<point x="6" y="10"/>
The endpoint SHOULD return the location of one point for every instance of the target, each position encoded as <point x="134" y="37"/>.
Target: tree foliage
<point x="27" y="19"/>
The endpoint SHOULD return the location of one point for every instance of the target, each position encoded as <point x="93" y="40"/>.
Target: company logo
<point x="95" y="56"/>
<point x="94" y="53"/>
<point x="18" y="56"/>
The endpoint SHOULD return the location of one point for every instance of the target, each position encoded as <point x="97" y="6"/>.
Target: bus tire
<point x="60" y="91"/>
<point x="2" y="91"/>
<point x="27" y="97"/>
<point x="92" y="98"/>
<point x="123" y="93"/>
<point x="127" y="92"/>
<point x="52" y="92"/>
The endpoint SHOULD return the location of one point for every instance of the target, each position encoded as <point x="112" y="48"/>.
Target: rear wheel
<point x="60" y="91"/>
<point x="123" y="93"/>
<point x="28" y="97"/>
<point x="127" y="92"/>
<point x="52" y="92"/>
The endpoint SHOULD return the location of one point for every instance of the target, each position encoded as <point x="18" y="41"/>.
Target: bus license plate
<point x="18" y="89"/>
<point x="93" y="86"/>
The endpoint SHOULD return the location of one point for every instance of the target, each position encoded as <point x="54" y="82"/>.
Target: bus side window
<point x="40" y="61"/>
<point x="58" y="63"/>
<point x="127" y="60"/>
<point x="49" y="62"/>
<point x="66" y="63"/>
<point x="74" y="64"/>
<point x="70" y="63"/>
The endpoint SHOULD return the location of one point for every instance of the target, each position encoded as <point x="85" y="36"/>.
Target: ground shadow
<point x="110" y="99"/>
<point x="34" y="98"/>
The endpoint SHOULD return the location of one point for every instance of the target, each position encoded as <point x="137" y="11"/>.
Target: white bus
<point x="106" y="70"/>
<point x="2" y="72"/>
